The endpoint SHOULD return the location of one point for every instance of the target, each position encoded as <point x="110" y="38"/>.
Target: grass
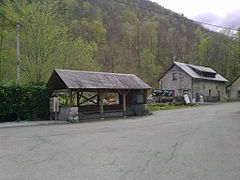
<point x="223" y="101"/>
<point x="166" y="106"/>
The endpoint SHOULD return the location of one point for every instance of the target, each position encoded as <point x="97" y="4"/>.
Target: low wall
<point x="72" y="114"/>
<point x="211" y="98"/>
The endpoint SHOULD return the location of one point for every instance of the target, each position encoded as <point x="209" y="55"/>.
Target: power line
<point x="166" y="13"/>
<point x="223" y="27"/>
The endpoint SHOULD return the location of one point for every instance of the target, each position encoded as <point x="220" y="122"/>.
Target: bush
<point x="25" y="102"/>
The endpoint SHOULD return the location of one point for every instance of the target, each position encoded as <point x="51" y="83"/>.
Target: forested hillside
<point x="105" y="35"/>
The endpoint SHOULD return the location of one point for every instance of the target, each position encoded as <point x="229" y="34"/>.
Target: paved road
<point x="201" y="143"/>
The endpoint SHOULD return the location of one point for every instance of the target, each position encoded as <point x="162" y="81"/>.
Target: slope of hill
<point x="127" y="36"/>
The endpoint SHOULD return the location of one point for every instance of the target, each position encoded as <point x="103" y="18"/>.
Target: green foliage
<point x="149" y="68"/>
<point x="166" y="106"/>
<point x="80" y="55"/>
<point x="26" y="102"/>
<point x="107" y="36"/>
<point x="42" y="35"/>
<point x="223" y="101"/>
<point x="87" y="30"/>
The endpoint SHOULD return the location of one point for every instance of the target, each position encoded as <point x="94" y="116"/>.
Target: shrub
<point x="25" y="102"/>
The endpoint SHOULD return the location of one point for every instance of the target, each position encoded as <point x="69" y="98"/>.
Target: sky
<point x="220" y="12"/>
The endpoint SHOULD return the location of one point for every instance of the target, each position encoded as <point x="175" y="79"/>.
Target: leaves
<point x="107" y="36"/>
<point x="26" y="102"/>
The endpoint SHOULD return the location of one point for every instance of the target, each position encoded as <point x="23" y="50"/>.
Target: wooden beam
<point x="144" y="91"/>
<point x="122" y="92"/>
<point x="89" y="99"/>
<point x="59" y="91"/>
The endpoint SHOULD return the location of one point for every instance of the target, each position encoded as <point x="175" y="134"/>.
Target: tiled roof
<point x="189" y="69"/>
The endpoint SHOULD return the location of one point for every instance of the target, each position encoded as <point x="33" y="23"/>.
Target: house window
<point x="174" y="76"/>
<point x="209" y="92"/>
<point x="206" y="74"/>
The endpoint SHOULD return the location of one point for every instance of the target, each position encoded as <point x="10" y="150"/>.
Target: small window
<point x="209" y="92"/>
<point x="174" y="76"/>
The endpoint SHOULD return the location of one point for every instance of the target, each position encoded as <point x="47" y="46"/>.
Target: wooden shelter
<point x="78" y="85"/>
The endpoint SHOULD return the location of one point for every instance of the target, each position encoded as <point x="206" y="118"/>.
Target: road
<point x="199" y="143"/>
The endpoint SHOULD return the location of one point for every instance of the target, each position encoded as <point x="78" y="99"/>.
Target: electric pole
<point x="18" y="54"/>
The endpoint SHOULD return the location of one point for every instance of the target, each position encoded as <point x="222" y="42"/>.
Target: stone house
<point x="233" y="89"/>
<point x="196" y="81"/>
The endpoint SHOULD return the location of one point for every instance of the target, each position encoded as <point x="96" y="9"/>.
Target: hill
<point x="127" y="36"/>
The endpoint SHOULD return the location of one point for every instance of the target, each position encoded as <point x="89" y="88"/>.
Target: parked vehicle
<point x="162" y="96"/>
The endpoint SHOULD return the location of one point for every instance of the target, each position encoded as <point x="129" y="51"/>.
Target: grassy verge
<point x="166" y="106"/>
<point x="223" y="101"/>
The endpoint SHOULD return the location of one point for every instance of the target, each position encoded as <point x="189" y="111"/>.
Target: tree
<point x="150" y="70"/>
<point x="80" y="55"/>
<point x="42" y="35"/>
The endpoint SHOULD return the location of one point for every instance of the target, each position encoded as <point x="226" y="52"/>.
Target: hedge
<point x="24" y="102"/>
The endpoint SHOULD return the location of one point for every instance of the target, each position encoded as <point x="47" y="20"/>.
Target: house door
<point x="238" y="93"/>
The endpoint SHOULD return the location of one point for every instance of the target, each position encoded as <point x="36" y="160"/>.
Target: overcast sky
<point x="220" y="12"/>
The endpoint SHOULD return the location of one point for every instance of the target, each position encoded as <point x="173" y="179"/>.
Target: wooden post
<point x="71" y="98"/>
<point x="124" y="94"/>
<point x="124" y="105"/>
<point x="79" y="96"/>
<point x="98" y="100"/>
<point x="78" y="106"/>
<point x="78" y="99"/>
<point x="101" y="104"/>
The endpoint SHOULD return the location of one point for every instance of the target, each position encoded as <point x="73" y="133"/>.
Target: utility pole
<point x="18" y="54"/>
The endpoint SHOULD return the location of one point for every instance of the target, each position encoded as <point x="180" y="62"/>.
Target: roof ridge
<point x="95" y="72"/>
<point x="200" y="66"/>
<point x="193" y="65"/>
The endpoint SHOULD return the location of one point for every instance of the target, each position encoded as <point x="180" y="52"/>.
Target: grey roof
<point x="72" y="79"/>
<point x="202" y="69"/>
<point x="188" y="68"/>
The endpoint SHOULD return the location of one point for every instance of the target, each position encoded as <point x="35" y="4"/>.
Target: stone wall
<point x="183" y="81"/>
<point x="233" y="90"/>
<point x="71" y="113"/>
<point x="195" y="87"/>
<point x="68" y="113"/>
<point x="209" y="89"/>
